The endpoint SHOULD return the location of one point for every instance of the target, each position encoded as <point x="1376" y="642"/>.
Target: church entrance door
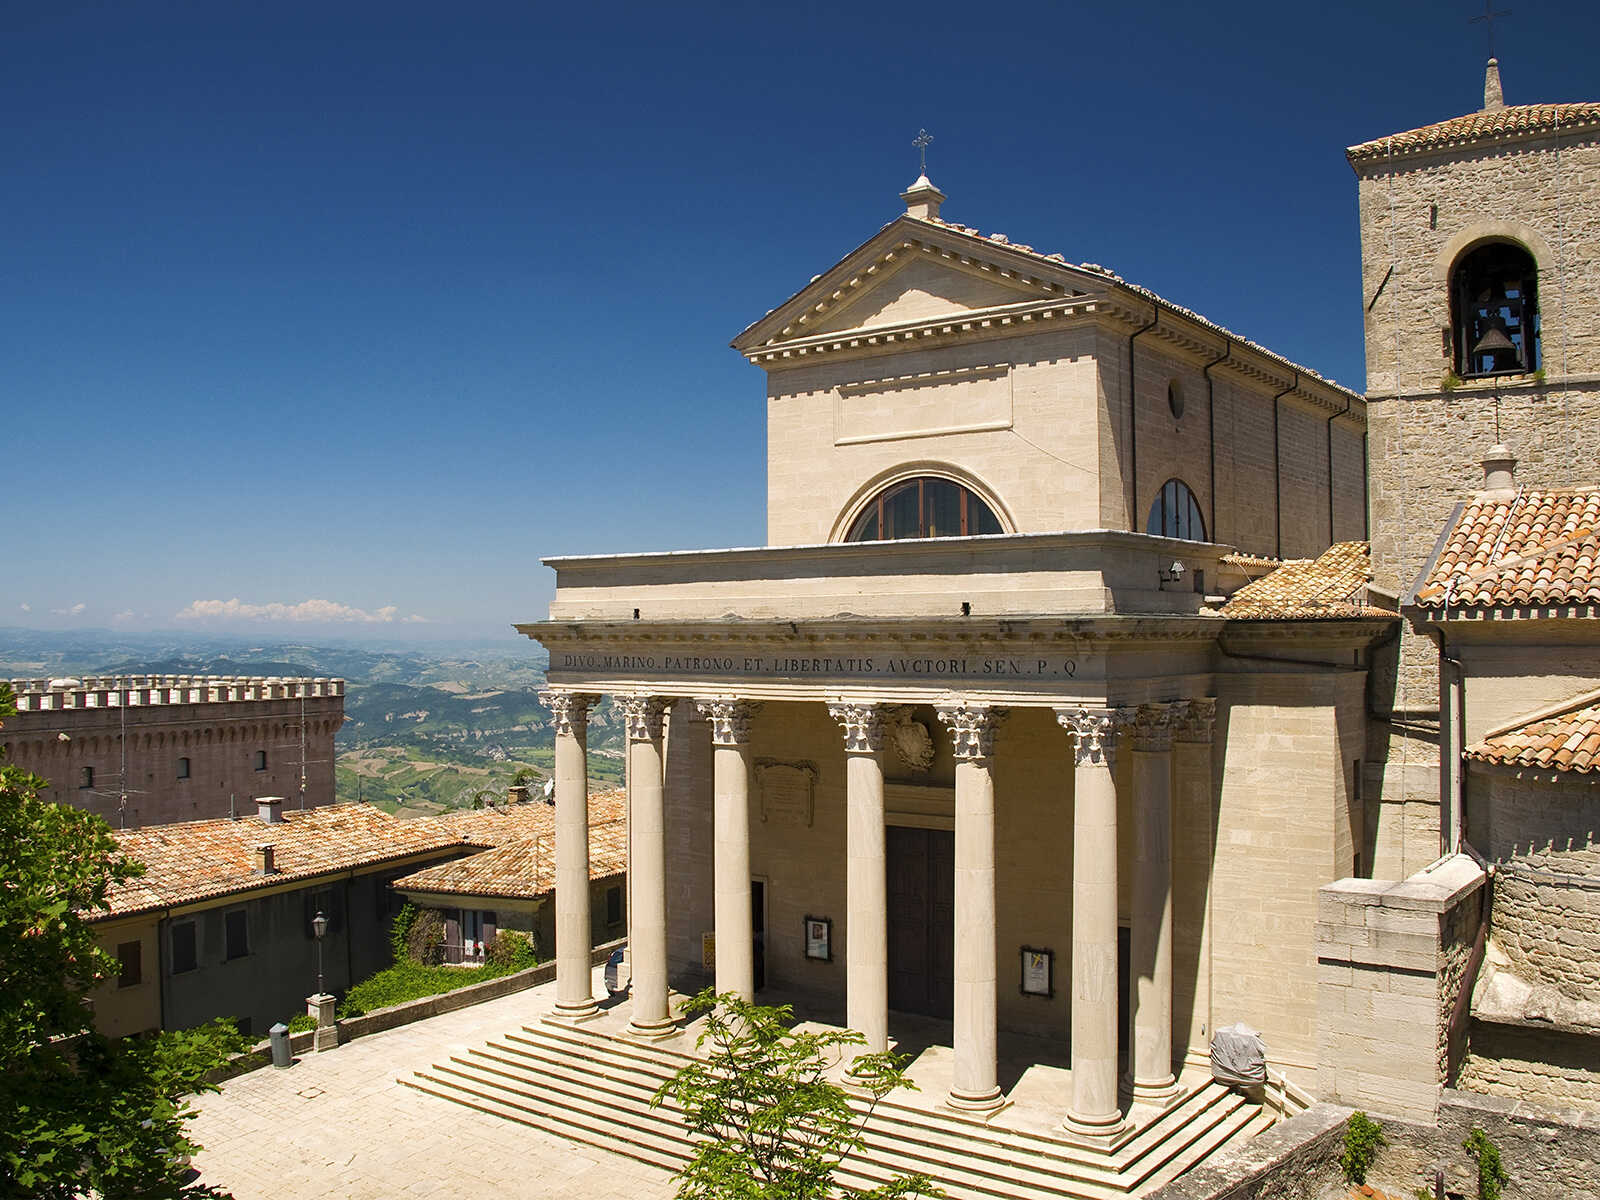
<point x="922" y="883"/>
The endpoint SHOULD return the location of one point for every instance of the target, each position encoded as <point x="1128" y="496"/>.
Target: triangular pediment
<point x="917" y="271"/>
<point x="924" y="289"/>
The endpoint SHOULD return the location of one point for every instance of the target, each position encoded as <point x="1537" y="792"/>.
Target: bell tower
<point x="1480" y="274"/>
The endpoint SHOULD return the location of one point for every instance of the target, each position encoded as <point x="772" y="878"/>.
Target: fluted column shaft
<point x="574" y="932"/>
<point x="647" y="878"/>
<point x="1095" y="731"/>
<point x="730" y="769"/>
<point x="1191" y="866"/>
<point x="1150" y="1043"/>
<point x="866" y="874"/>
<point x="976" y="1085"/>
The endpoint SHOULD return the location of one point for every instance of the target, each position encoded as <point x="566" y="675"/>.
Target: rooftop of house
<point x="1332" y="586"/>
<point x="1565" y="738"/>
<point x="192" y="861"/>
<point x="200" y="860"/>
<point x="524" y="867"/>
<point x="1512" y="547"/>
<point x="1495" y="121"/>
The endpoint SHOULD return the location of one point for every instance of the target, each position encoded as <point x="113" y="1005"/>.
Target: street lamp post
<point x="319" y="926"/>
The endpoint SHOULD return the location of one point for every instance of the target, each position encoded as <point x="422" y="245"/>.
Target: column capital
<point x="569" y="710"/>
<point x="972" y="727"/>
<point x="1195" y="720"/>
<point x="1094" y="733"/>
<point x="865" y="722"/>
<point x="1152" y="728"/>
<point x="643" y="715"/>
<point x="729" y="718"/>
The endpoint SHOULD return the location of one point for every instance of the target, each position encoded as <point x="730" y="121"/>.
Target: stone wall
<point x="1386" y="957"/>
<point x="1542" y="1066"/>
<point x="1297" y="1159"/>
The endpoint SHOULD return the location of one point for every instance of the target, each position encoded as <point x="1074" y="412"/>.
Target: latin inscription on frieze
<point x="782" y="666"/>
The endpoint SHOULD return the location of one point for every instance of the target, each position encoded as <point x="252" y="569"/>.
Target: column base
<point x="1162" y="1093"/>
<point x="991" y="1101"/>
<point x="652" y="1031"/>
<point x="1101" y="1132"/>
<point x="574" y="1013"/>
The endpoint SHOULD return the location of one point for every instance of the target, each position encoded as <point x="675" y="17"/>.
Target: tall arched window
<point x="924" y="507"/>
<point x="1176" y="513"/>
<point x="1494" y="300"/>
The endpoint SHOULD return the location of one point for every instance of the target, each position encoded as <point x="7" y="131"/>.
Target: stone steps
<point x="596" y="1088"/>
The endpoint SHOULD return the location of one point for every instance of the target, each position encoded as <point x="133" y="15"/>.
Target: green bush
<point x="412" y="981"/>
<point x="512" y="951"/>
<point x="1362" y="1137"/>
<point x="400" y="931"/>
<point x="304" y="1023"/>
<point x="1492" y="1175"/>
<point x="425" y="939"/>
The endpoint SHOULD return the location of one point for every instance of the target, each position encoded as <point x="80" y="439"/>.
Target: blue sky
<point x="375" y="305"/>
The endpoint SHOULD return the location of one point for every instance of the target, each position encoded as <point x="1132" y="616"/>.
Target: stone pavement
<point x="339" y="1125"/>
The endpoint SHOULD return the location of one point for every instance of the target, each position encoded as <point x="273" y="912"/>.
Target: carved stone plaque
<point x="788" y="791"/>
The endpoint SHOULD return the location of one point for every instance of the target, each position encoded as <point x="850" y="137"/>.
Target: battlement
<point x="141" y="691"/>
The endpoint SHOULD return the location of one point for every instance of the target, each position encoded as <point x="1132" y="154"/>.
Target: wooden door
<point x="921" y="867"/>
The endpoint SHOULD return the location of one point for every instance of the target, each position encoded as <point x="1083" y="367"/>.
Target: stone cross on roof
<point x="924" y="139"/>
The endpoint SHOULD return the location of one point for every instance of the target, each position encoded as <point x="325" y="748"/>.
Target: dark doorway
<point x="922" y="882"/>
<point x="758" y="927"/>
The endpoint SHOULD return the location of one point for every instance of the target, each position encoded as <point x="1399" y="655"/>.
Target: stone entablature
<point x="132" y="691"/>
<point x="1013" y="575"/>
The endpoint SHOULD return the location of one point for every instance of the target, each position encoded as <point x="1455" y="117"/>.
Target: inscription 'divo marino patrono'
<point x="886" y="666"/>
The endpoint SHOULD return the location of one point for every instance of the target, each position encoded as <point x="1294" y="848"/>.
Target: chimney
<point x="922" y="200"/>
<point x="266" y="863"/>
<point x="270" y="809"/>
<point x="1499" y="473"/>
<point x="1493" y="97"/>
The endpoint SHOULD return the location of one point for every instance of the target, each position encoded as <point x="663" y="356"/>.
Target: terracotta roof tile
<point x="523" y="868"/>
<point x="499" y="824"/>
<point x="1332" y="586"/>
<point x="1567" y="740"/>
<point x="200" y="860"/>
<point x="1541" y="547"/>
<point x="1517" y="120"/>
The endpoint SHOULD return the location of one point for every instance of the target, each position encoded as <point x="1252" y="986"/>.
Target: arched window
<point x="1176" y="513"/>
<point x="924" y="507"/>
<point x="1495" y="311"/>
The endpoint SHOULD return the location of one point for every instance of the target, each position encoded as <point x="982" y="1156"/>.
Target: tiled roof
<point x="523" y="868"/>
<point x="1566" y="740"/>
<point x="1541" y="547"/>
<point x="501" y="824"/>
<point x="1331" y="586"/>
<point x="1514" y="120"/>
<point x="200" y="860"/>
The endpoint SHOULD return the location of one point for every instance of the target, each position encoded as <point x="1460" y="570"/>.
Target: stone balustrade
<point x="134" y="691"/>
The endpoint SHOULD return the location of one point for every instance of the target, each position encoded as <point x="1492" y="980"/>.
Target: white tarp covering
<point x="1238" y="1056"/>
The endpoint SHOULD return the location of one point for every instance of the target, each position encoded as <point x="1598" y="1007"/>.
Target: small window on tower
<point x="183" y="768"/>
<point x="1495" y="311"/>
<point x="86" y="777"/>
<point x="261" y="760"/>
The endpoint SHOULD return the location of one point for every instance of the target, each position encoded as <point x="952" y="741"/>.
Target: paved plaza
<point x="338" y="1124"/>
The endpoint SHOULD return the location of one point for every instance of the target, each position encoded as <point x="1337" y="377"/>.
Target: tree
<point x="770" y="1124"/>
<point x="84" y="1113"/>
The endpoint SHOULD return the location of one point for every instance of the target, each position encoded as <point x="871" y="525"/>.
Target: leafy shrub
<point x="1492" y="1175"/>
<point x="1362" y="1137"/>
<point x="511" y="950"/>
<point x="304" y="1023"/>
<point x="412" y="981"/>
<point x="400" y="931"/>
<point x="425" y="938"/>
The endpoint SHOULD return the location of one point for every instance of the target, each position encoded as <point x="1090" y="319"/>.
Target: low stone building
<point x="510" y="885"/>
<point x="154" y="749"/>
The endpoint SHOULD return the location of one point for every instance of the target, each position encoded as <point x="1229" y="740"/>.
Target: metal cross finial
<point x="1487" y="17"/>
<point x="924" y="139"/>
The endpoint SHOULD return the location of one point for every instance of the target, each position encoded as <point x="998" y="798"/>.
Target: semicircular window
<point x="924" y="507"/>
<point x="1176" y="513"/>
<point x="1495" y="311"/>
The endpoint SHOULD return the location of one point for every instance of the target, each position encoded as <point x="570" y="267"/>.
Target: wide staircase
<point x="592" y="1087"/>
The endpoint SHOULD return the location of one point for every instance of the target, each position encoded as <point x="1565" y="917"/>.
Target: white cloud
<point x="125" y="615"/>
<point x="327" y="611"/>
<point x="76" y="610"/>
<point x="25" y="607"/>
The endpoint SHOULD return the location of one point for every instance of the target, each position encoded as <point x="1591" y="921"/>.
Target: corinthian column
<point x="1191" y="869"/>
<point x="977" y="1085"/>
<point x="730" y="767"/>
<point x="866" y="878"/>
<point x="647" y="879"/>
<point x="1094" y="1113"/>
<point x="574" y="934"/>
<point x="1150" y="1050"/>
